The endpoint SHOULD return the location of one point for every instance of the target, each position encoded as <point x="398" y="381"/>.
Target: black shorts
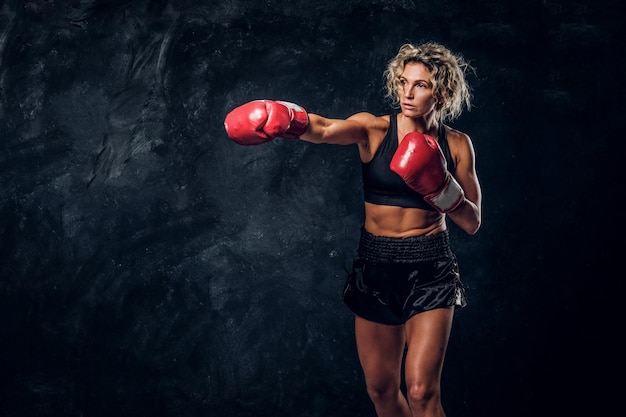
<point x="392" y="279"/>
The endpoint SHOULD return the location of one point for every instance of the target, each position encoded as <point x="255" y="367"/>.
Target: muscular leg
<point x="380" y="348"/>
<point x="427" y="339"/>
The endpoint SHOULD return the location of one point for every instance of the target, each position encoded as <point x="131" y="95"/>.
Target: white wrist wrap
<point x="448" y="198"/>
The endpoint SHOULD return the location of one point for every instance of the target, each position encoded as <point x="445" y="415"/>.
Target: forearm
<point x="316" y="131"/>
<point x="467" y="216"/>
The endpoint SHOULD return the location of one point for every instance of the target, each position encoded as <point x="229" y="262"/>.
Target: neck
<point x="427" y="125"/>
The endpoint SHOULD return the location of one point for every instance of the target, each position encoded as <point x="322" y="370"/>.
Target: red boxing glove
<point x="421" y="164"/>
<point x="260" y="121"/>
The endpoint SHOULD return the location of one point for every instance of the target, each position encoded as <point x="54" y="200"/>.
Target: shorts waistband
<point x="404" y="250"/>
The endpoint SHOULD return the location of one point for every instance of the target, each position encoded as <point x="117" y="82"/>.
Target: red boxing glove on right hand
<point x="260" y="121"/>
<point x="421" y="164"/>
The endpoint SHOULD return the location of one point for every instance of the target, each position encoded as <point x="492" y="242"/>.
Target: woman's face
<point x="415" y="90"/>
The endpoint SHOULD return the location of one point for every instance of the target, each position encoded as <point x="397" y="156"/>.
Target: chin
<point x="409" y="112"/>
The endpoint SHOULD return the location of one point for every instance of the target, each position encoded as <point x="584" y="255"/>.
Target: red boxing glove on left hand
<point x="421" y="164"/>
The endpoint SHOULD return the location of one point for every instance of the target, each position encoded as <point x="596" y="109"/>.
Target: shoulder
<point x="458" y="139"/>
<point x="460" y="145"/>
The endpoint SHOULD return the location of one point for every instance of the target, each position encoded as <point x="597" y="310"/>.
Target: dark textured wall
<point x="151" y="267"/>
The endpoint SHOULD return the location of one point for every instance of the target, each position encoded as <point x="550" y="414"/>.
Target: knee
<point x="383" y="394"/>
<point x="420" y="395"/>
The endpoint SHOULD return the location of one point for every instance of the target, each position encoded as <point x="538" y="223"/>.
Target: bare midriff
<point x="393" y="221"/>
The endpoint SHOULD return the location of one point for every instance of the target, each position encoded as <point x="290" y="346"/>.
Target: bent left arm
<point x="468" y="214"/>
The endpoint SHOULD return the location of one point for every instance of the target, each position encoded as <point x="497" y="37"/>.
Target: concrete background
<point x="151" y="267"/>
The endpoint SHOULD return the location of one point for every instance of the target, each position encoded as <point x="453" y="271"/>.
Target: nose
<point x="407" y="91"/>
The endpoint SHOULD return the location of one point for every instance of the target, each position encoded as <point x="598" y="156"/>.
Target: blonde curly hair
<point x="447" y="71"/>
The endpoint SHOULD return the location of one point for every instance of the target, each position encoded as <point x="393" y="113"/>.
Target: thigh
<point x="427" y="339"/>
<point x="380" y="348"/>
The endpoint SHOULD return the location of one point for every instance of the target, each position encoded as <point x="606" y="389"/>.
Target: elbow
<point x="469" y="224"/>
<point x="469" y="227"/>
<point x="468" y="217"/>
<point x="472" y="227"/>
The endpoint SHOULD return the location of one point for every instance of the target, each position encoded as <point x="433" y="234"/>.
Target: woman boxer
<point x="417" y="171"/>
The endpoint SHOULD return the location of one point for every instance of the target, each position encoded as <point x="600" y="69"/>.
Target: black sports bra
<point x="383" y="186"/>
